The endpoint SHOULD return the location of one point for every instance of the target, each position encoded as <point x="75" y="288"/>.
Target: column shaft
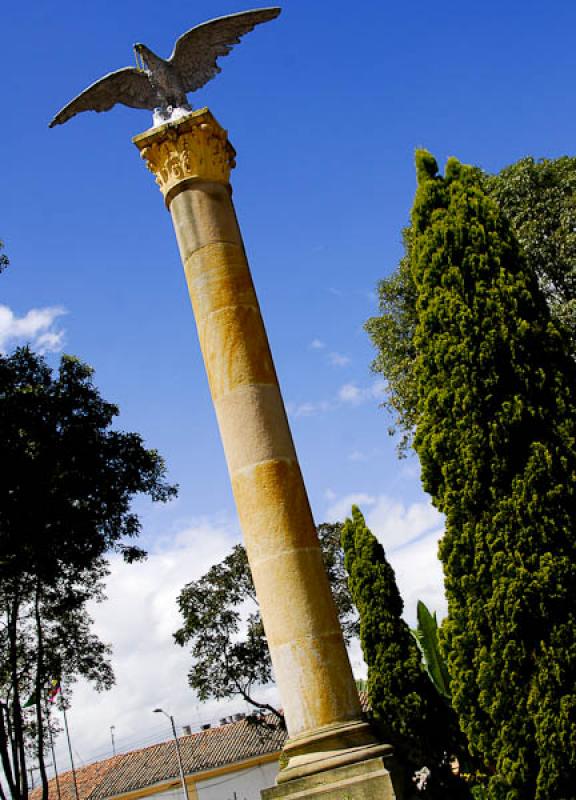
<point x="310" y="661"/>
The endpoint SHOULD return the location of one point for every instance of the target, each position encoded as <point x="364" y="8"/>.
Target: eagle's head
<point x="144" y="56"/>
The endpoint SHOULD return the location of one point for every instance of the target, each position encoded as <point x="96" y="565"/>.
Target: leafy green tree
<point x="496" y="438"/>
<point x="409" y="711"/>
<point x="222" y="624"/>
<point x="392" y="333"/>
<point x="45" y="632"/>
<point x="64" y="504"/>
<point x="539" y="200"/>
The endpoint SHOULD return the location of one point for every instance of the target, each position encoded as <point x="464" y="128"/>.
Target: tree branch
<point x="266" y="706"/>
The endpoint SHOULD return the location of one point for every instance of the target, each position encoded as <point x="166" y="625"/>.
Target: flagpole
<point x="70" y="750"/>
<point x="53" y="756"/>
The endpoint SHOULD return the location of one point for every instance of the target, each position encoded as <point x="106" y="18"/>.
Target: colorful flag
<point x="54" y="690"/>
<point x="31" y="701"/>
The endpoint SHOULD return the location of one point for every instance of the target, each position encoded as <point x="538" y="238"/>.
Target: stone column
<point x="191" y="159"/>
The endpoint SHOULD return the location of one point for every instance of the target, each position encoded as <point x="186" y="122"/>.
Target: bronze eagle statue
<point x="162" y="85"/>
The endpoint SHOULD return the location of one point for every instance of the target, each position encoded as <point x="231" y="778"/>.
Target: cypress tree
<point x="404" y="703"/>
<point x="539" y="199"/>
<point x="495" y="433"/>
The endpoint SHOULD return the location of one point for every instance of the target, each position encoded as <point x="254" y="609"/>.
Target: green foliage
<point x="496" y="433"/>
<point x="330" y="538"/>
<point x="539" y="200"/>
<point x="64" y="503"/>
<point x="224" y="664"/>
<point x="66" y="497"/>
<point x="3" y="257"/>
<point x="427" y="637"/>
<point x="222" y="624"/>
<point x="392" y="333"/>
<point x="404" y="702"/>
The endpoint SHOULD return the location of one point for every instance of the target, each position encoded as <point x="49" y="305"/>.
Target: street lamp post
<point x="178" y="753"/>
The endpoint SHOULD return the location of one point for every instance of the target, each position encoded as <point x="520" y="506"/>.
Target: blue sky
<point x="325" y="107"/>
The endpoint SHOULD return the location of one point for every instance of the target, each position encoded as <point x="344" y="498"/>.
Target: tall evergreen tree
<point x="539" y="200"/>
<point x="496" y="437"/>
<point x="406" y="706"/>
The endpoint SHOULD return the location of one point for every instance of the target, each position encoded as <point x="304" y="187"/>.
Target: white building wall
<point x="173" y="794"/>
<point x="241" y="785"/>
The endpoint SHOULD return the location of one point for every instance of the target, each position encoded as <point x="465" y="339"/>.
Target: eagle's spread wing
<point x="128" y="85"/>
<point x="196" y="51"/>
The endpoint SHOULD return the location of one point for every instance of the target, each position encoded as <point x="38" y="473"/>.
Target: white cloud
<point x="397" y="524"/>
<point x="362" y="456"/>
<point x="308" y="409"/>
<point x="391" y="521"/>
<point x="354" y="395"/>
<point x="348" y="395"/>
<point x="36" y="327"/>
<point x="338" y="360"/>
<point x="305" y="409"/>
<point x="49" y="342"/>
<point x="419" y="576"/>
<point x="334" y="358"/>
<point x="340" y="509"/>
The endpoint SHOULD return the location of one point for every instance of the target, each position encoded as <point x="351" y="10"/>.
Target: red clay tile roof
<point x="87" y="778"/>
<point x="206" y="750"/>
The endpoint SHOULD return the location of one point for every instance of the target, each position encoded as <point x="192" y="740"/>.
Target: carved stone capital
<point x="192" y="148"/>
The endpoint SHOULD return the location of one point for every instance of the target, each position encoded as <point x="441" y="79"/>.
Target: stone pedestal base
<point x="365" y="780"/>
